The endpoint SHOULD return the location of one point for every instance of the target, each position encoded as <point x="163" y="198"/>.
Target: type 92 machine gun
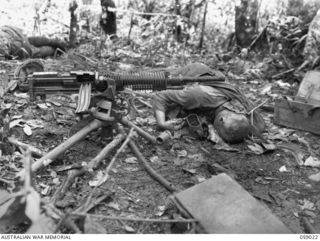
<point x="106" y="84"/>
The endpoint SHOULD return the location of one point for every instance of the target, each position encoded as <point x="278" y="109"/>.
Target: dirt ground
<point x="183" y="161"/>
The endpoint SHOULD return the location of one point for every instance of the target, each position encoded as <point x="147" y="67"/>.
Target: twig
<point x="254" y="109"/>
<point x="137" y="219"/>
<point x="49" y="157"/>
<point x="88" y="206"/>
<point x="280" y="75"/>
<point x="93" y="164"/>
<point x="257" y="107"/>
<point x="106" y="175"/>
<point x="124" y="144"/>
<point x="35" y="151"/>
<point x="203" y="25"/>
<point x="59" y="194"/>
<point x="61" y="191"/>
<point x="170" y="187"/>
<point x="140" y="131"/>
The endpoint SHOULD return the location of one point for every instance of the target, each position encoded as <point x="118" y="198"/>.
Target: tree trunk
<point x="203" y="25"/>
<point x="178" y="27"/>
<point x="73" y="24"/>
<point x="245" y="22"/>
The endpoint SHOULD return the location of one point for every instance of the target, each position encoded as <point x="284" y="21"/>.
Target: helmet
<point x="232" y="127"/>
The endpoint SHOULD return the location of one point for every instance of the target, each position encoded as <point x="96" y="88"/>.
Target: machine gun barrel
<point x="107" y="83"/>
<point x="42" y="83"/>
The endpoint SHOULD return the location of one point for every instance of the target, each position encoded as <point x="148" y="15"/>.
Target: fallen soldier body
<point x="220" y="103"/>
<point x="16" y="45"/>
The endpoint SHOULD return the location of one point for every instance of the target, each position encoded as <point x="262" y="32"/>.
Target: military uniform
<point x="16" y="45"/>
<point x="206" y="99"/>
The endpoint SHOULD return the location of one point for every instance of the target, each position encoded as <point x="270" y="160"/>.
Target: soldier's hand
<point x="174" y="124"/>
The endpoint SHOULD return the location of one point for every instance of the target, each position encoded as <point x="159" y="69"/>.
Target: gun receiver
<point x="43" y="83"/>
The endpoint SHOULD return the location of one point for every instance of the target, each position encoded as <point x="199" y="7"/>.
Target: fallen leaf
<point x="131" y="169"/>
<point x="131" y="160"/>
<point x="312" y="162"/>
<point x="256" y="149"/>
<point x="269" y="146"/>
<point x="261" y="181"/>
<point x="154" y="159"/>
<point x="129" y="229"/>
<point x="21" y="95"/>
<point x="182" y="153"/>
<point x="15" y="123"/>
<point x="283" y="169"/>
<point x="45" y="190"/>
<point x="282" y="84"/>
<point x="56" y="181"/>
<point x="96" y="179"/>
<point x="266" y="89"/>
<point x="42" y="106"/>
<point x="53" y="174"/>
<point x="307" y="205"/>
<point x="315" y="177"/>
<point x="201" y="179"/>
<point x="35" y="123"/>
<point x="16" y="117"/>
<point x="191" y="171"/>
<point x="27" y="130"/>
<point x="162" y="209"/>
<point x="114" y="205"/>
<point x="55" y="103"/>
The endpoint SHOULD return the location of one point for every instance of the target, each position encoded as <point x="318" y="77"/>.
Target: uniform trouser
<point x="40" y="41"/>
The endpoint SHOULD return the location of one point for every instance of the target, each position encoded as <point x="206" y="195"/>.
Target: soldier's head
<point x="232" y="127"/>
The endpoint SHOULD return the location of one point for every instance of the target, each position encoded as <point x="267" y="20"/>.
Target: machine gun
<point x="106" y="84"/>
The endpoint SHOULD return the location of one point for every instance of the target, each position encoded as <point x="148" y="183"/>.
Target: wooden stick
<point x="93" y="164"/>
<point x="203" y="25"/>
<point x="62" y="190"/>
<point x="156" y="176"/>
<point x="141" y="132"/>
<point x="137" y="219"/>
<point x="108" y="169"/>
<point x="282" y="74"/>
<point x="50" y="156"/>
<point x="59" y="194"/>
<point x="35" y="151"/>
